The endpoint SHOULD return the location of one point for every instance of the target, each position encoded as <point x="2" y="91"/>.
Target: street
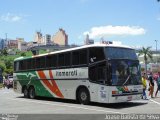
<point x="13" y="103"/>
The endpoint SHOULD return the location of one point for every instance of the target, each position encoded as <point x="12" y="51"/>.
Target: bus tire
<point x="25" y="92"/>
<point x="83" y="96"/>
<point x="32" y="94"/>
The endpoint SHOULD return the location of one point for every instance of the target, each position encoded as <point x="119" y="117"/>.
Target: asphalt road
<point x="13" y="103"/>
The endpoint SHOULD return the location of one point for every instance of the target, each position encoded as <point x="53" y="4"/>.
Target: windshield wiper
<point x="126" y="79"/>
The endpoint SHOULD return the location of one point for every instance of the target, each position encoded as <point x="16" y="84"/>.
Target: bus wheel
<point x="83" y="96"/>
<point x="32" y="94"/>
<point x="25" y="92"/>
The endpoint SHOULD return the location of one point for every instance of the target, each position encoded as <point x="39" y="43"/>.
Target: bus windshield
<point x="123" y="66"/>
<point x="125" y="72"/>
<point x="120" y="53"/>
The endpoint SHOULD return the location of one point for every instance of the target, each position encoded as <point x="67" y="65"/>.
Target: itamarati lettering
<point x="67" y="73"/>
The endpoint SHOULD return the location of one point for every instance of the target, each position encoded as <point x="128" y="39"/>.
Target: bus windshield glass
<point x="120" y="53"/>
<point x="124" y="66"/>
<point x="125" y="72"/>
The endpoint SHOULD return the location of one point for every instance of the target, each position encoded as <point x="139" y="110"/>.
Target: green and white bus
<point x="104" y="73"/>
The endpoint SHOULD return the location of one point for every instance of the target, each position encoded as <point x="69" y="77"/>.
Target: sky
<point x="133" y="22"/>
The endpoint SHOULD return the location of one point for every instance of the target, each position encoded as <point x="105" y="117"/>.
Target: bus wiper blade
<point x="126" y="79"/>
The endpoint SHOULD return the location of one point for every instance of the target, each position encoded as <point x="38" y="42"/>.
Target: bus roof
<point x="76" y="48"/>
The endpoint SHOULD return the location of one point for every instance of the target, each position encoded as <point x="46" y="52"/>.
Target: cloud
<point x="11" y="18"/>
<point x="110" y="30"/>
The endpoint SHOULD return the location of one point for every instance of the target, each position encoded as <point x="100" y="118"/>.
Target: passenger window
<point x="75" y="58"/>
<point x="93" y="73"/>
<point x="16" y="66"/>
<point x="67" y="59"/>
<point x="96" y="54"/>
<point x="61" y="60"/>
<point x="23" y="65"/>
<point x="29" y="64"/>
<point x="51" y="61"/>
<point x="83" y="56"/>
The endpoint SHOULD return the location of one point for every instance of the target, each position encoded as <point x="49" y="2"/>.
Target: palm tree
<point x="146" y="52"/>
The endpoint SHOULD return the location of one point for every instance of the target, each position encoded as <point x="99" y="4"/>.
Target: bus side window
<point x="33" y="63"/>
<point x="54" y="61"/>
<point x="61" y="60"/>
<point x="42" y="62"/>
<point x="93" y="73"/>
<point x="38" y="62"/>
<point x="96" y="54"/>
<point x="83" y="56"/>
<point x="75" y="58"/>
<point x="16" y="66"/>
<point x="67" y="59"/>
<point x="101" y="73"/>
<point x="22" y="65"/>
<point x="98" y="73"/>
<point x="48" y="61"/>
<point x="51" y="61"/>
<point x="29" y="64"/>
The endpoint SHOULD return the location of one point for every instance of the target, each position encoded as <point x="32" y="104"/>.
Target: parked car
<point x="8" y="82"/>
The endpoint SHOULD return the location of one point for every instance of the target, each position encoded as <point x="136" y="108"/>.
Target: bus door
<point x="98" y="76"/>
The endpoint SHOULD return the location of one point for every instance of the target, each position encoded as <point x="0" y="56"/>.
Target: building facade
<point x="88" y="41"/>
<point x="60" y="38"/>
<point x="47" y="39"/>
<point x="22" y="45"/>
<point x="12" y="44"/>
<point x="2" y="44"/>
<point x="38" y="38"/>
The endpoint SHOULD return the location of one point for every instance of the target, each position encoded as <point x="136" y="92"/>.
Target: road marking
<point x="155" y="101"/>
<point x="70" y="106"/>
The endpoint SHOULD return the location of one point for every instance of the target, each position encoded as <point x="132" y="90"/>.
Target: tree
<point x="8" y="63"/>
<point x="2" y="67"/>
<point x="23" y="54"/>
<point x="4" y="52"/>
<point x="146" y="52"/>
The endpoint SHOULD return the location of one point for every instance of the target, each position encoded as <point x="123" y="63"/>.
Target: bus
<point x="103" y="73"/>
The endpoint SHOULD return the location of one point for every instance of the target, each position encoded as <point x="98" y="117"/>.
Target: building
<point x="47" y="39"/>
<point x="12" y="44"/>
<point x="2" y="44"/>
<point x="88" y="41"/>
<point x="22" y="45"/>
<point x="38" y="38"/>
<point x="60" y="38"/>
